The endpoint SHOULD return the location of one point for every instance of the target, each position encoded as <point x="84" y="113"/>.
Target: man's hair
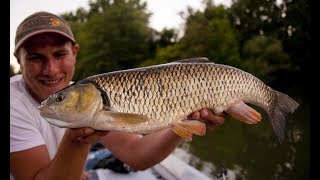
<point x="42" y="22"/>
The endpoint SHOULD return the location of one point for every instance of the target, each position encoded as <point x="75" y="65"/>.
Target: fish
<point x="149" y="99"/>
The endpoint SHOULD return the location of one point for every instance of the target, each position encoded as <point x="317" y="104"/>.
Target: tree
<point x="112" y="35"/>
<point x="256" y="18"/>
<point x="296" y="38"/>
<point x="287" y="22"/>
<point x="207" y="34"/>
<point x="264" y="56"/>
<point x="210" y="34"/>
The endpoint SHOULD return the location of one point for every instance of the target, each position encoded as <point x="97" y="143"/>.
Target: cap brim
<point x="40" y="32"/>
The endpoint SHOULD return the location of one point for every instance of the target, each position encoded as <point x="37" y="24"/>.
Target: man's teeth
<point x="51" y="81"/>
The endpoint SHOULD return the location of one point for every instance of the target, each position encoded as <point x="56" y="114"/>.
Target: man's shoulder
<point x="18" y="94"/>
<point x="15" y="82"/>
<point x="16" y="87"/>
<point x="17" y="77"/>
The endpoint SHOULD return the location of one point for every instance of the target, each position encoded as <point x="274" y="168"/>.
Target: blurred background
<point x="267" y="38"/>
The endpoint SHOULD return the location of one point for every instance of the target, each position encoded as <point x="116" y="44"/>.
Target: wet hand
<point x="208" y="117"/>
<point x="85" y="135"/>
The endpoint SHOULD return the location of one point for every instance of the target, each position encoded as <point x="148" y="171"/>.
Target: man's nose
<point x="50" y="66"/>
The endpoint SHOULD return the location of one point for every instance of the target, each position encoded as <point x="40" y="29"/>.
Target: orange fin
<point x="245" y="113"/>
<point x="183" y="133"/>
<point x="120" y="118"/>
<point x="187" y="128"/>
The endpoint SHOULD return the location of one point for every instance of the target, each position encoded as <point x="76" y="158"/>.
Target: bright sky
<point x="165" y="13"/>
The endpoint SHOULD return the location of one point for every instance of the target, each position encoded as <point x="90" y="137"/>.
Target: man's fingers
<point x="95" y="136"/>
<point x="85" y="175"/>
<point x="209" y="116"/>
<point x="80" y="132"/>
<point x="86" y="135"/>
<point x="195" y="115"/>
<point x="210" y="126"/>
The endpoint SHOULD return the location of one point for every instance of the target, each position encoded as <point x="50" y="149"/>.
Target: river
<point x="243" y="151"/>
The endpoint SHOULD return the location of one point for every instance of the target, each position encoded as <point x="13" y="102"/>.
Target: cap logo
<point x="54" y="22"/>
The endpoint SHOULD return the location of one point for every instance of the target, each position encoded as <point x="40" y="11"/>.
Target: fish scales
<point x="162" y="96"/>
<point x="183" y="88"/>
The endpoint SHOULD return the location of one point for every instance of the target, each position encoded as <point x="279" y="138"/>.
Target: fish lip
<point x="44" y="109"/>
<point x="42" y="106"/>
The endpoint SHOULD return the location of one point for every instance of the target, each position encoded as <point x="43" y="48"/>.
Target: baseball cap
<point x="41" y="22"/>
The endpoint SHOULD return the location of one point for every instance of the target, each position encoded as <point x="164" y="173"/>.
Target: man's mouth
<point x="51" y="82"/>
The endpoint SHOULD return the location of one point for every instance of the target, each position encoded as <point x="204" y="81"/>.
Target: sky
<point x="165" y="13"/>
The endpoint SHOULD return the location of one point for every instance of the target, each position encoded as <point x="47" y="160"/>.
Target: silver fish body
<point x="164" y="95"/>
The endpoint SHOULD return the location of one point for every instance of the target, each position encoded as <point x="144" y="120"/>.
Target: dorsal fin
<point x="194" y="60"/>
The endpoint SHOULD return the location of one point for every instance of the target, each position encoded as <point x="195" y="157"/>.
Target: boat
<point x="171" y="168"/>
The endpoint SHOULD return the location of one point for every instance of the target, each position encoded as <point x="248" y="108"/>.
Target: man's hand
<point x="85" y="175"/>
<point x="85" y="135"/>
<point x="208" y="117"/>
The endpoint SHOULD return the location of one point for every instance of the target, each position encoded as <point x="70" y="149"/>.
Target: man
<point x="46" y="51"/>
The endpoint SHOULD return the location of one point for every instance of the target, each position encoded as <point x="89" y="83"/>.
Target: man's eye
<point x="34" y="58"/>
<point x="60" y="55"/>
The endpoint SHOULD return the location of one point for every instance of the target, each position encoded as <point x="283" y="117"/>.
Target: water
<point x="253" y="151"/>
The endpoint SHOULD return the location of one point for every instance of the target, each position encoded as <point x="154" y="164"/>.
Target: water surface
<point x="253" y="151"/>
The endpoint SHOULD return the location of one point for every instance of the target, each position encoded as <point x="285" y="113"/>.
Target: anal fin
<point x="245" y="113"/>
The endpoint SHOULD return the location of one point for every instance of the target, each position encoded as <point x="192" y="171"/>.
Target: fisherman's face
<point x="47" y="64"/>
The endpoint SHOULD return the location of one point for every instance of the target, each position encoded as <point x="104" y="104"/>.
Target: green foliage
<point x="296" y="38"/>
<point x="112" y="35"/>
<point x="210" y="34"/>
<point x="256" y="17"/>
<point x="158" y="45"/>
<point x="263" y="56"/>
<point x="166" y="37"/>
<point x="288" y="23"/>
<point x="76" y="20"/>
<point x="165" y="55"/>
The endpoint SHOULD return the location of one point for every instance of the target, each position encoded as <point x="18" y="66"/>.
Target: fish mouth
<point x="45" y="111"/>
<point x="51" y="117"/>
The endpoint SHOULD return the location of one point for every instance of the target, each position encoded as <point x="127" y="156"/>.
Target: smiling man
<point x="47" y="63"/>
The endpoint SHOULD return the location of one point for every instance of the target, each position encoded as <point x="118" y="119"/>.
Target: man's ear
<point x="75" y="49"/>
<point x="16" y="54"/>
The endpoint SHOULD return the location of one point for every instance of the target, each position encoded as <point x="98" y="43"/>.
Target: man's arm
<point x="68" y="162"/>
<point x="142" y="153"/>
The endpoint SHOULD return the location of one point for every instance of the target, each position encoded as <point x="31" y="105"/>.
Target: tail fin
<point x="282" y="106"/>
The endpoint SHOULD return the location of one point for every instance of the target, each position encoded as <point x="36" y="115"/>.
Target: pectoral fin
<point x="245" y="113"/>
<point x="122" y="118"/>
<point x="187" y="128"/>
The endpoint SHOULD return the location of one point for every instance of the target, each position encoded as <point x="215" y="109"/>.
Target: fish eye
<point x="60" y="97"/>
